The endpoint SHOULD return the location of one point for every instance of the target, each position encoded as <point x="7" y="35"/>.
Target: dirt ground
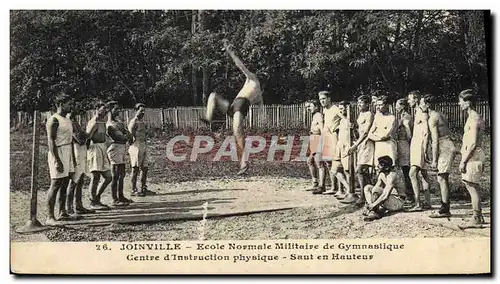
<point x="183" y="188"/>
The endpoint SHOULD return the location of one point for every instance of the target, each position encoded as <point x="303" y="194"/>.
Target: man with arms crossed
<point x="418" y="153"/>
<point x="74" y="202"/>
<point x="249" y="94"/>
<point x="363" y="146"/>
<point x="473" y="157"/>
<point x="60" y="158"/>
<point x="138" y="151"/>
<point x="443" y="152"/>
<point x="119" y="135"/>
<point x="388" y="194"/>
<point x="316" y="166"/>
<point x="97" y="159"/>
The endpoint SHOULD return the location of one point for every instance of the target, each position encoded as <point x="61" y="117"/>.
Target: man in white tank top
<point x="60" y="158"/>
<point x="316" y="166"/>
<point x="418" y="153"/>
<point x="363" y="147"/>
<point x="250" y="94"/>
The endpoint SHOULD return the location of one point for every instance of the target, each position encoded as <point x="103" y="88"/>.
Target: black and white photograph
<point x="134" y="129"/>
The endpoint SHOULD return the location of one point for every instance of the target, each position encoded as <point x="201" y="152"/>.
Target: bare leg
<point x="324" y="166"/>
<point x="94" y="182"/>
<point x="121" y="177"/>
<point x="477" y="218"/>
<point x="114" y="181"/>
<point x="144" y="177"/>
<point x="371" y="195"/>
<point x="55" y="185"/>
<point x="216" y="102"/>
<point x="313" y="170"/>
<point x="71" y="195"/>
<point x="321" y="170"/>
<point x="133" y="179"/>
<point x="107" y="179"/>
<point x="362" y="173"/>
<point x="240" y="140"/>
<point x="416" y="187"/>
<point x="78" y="198"/>
<point x="408" y="186"/>
<point x="62" y="198"/>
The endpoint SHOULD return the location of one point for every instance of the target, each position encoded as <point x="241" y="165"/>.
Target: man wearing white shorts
<point x="138" y="151"/>
<point x="383" y="130"/>
<point x="363" y="147"/>
<point x="443" y="152"/>
<point x="74" y="199"/>
<point x="60" y="158"/>
<point x="403" y="139"/>
<point x="97" y="159"/>
<point x="473" y="157"/>
<point x="418" y="152"/>
<point x="116" y="130"/>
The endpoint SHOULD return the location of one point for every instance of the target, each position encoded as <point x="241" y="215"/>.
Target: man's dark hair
<point x="385" y="161"/>
<point x="344" y="103"/>
<point x="139" y="105"/>
<point x="469" y="95"/>
<point x="384" y="99"/>
<point x="416" y="94"/>
<point x="327" y="93"/>
<point x="314" y="103"/>
<point x="366" y="99"/>
<point x="99" y="104"/>
<point x="404" y="103"/>
<point x="429" y="98"/>
<point x="61" y="98"/>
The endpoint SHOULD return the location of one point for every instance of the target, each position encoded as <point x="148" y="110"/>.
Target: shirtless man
<point x="363" y="147"/>
<point x="443" y="152"/>
<point x="60" y="158"/>
<point x="418" y="153"/>
<point x="74" y="197"/>
<point x="97" y="160"/>
<point x="473" y="157"/>
<point x="342" y="169"/>
<point x="316" y="166"/>
<point x="388" y="194"/>
<point x="138" y="151"/>
<point x="249" y="95"/>
<point x="383" y="129"/>
<point x="329" y="137"/>
<point x="116" y="130"/>
<point x="403" y="139"/>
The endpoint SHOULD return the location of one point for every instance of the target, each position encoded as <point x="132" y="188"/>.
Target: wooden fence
<point x="268" y="116"/>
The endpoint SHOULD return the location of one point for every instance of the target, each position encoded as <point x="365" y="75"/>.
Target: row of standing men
<point x="75" y="153"/>
<point x="416" y="138"/>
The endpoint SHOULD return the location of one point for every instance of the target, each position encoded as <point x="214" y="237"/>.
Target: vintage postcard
<point x="250" y="142"/>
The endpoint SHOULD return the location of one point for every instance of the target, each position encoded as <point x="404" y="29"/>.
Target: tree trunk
<point x="205" y="71"/>
<point x="194" y="82"/>
<point x="416" y="51"/>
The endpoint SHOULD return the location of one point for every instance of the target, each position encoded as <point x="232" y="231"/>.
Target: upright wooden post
<point x="33" y="225"/>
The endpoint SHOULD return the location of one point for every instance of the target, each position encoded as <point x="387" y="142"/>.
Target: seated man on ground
<point x="388" y="194"/>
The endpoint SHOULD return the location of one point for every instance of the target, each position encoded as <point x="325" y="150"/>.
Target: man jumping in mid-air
<point x="249" y="94"/>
